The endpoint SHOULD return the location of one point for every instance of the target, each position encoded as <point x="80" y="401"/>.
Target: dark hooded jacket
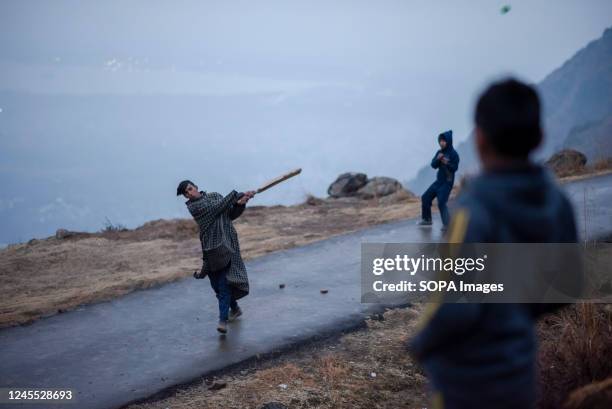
<point x="446" y="172"/>
<point x="517" y="205"/>
<point x="483" y="355"/>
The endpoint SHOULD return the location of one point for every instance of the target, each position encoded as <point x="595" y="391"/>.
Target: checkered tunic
<point x="214" y="214"/>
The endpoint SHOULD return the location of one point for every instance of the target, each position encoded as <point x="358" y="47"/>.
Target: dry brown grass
<point x="335" y="375"/>
<point x="43" y="277"/>
<point x="602" y="164"/>
<point x="575" y="350"/>
<point x="597" y="395"/>
<point x="47" y="276"/>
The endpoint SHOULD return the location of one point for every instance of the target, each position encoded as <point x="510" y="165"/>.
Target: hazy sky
<point x="429" y="51"/>
<point x="133" y="96"/>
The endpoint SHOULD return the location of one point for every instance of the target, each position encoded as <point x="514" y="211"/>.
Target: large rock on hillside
<point x="567" y="162"/>
<point x="355" y="186"/>
<point x="347" y="184"/>
<point x="379" y="186"/>
<point x="400" y="196"/>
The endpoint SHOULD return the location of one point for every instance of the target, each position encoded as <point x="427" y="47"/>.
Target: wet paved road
<point x="592" y="199"/>
<point x="116" y="352"/>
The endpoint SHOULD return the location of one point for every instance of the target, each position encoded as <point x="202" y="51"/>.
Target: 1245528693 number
<point x="39" y="394"/>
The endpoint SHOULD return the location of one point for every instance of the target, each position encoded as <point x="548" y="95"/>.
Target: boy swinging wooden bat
<point x="222" y="261"/>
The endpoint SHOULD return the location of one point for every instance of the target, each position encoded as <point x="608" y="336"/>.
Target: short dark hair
<point x="508" y="112"/>
<point x="183" y="186"/>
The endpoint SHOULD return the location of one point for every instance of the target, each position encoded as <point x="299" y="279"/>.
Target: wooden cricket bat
<point x="279" y="179"/>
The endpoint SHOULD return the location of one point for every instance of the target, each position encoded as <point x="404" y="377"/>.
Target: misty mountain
<point x="577" y="102"/>
<point x="592" y="139"/>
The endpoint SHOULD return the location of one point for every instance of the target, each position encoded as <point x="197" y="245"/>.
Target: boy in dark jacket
<point x="446" y="160"/>
<point x="483" y="355"/>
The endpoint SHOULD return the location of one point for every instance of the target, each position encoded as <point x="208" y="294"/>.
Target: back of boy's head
<point x="508" y="114"/>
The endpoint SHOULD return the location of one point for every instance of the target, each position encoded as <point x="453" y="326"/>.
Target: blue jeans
<point x="218" y="282"/>
<point x="441" y="190"/>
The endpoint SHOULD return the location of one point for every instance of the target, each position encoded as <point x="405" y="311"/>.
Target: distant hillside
<point x="592" y="139"/>
<point x="577" y="100"/>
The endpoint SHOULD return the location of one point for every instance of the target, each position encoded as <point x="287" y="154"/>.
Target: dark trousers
<point x="218" y="282"/>
<point x="441" y="190"/>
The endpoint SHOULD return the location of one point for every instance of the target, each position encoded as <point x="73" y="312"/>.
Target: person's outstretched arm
<point x="206" y="210"/>
<point x="215" y="209"/>
<point x="442" y="325"/>
<point x="236" y="210"/>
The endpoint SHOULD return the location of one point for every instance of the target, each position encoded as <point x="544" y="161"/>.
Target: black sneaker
<point x="424" y="223"/>
<point x="222" y="327"/>
<point x="443" y="229"/>
<point x="235" y="314"/>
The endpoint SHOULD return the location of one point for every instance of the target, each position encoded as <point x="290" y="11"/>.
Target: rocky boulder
<point x="402" y="195"/>
<point x="567" y="162"/>
<point x="347" y="184"/>
<point x="379" y="186"/>
<point x="355" y="186"/>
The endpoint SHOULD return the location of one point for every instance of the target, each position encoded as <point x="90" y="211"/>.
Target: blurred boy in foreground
<point x="483" y="355"/>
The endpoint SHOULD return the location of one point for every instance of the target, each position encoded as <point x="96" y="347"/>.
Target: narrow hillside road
<point x="116" y="352"/>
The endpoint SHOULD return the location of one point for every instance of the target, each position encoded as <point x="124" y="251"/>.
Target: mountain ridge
<point x="577" y="105"/>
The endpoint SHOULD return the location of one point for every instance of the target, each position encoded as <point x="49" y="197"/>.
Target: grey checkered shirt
<point x="212" y="208"/>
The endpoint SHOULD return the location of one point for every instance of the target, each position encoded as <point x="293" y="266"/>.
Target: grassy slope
<point x="43" y="277"/>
